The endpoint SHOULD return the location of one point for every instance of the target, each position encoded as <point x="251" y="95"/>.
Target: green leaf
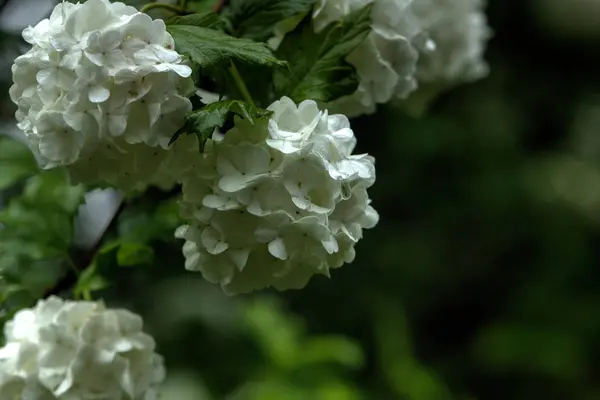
<point x="206" y="119"/>
<point x="140" y="226"/>
<point x="200" y="6"/>
<point x="37" y="223"/>
<point x="167" y="214"/>
<point x="109" y="247"/>
<point x="276" y="332"/>
<point x="38" y="276"/>
<point x="556" y="353"/>
<point x="130" y="254"/>
<point x="89" y="281"/>
<point x="212" y="49"/>
<point x="208" y="20"/>
<point x="332" y="349"/>
<point x="7" y="289"/>
<point x="16" y="162"/>
<point x="53" y="187"/>
<point x="319" y="70"/>
<point x="256" y="19"/>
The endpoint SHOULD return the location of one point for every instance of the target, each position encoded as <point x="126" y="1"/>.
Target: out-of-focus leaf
<point x="331" y="349"/>
<point x="395" y="354"/>
<point x="167" y="214"/>
<point x="54" y="187"/>
<point x="277" y="335"/>
<point x="16" y="162"/>
<point x="554" y="353"/>
<point x="89" y="281"/>
<point x="200" y="6"/>
<point x="38" y="224"/>
<point x="130" y="254"/>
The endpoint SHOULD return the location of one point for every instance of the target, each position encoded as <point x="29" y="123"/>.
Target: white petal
<point x="233" y="183"/>
<point x="277" y="249"/>
<point x="98" y="94"/>
<point x="239" y="258"/>
<point x="181" y="231"/>
<point x="45" y="77"/>
<point x="211" y="240"/>
<point x="117" y="124"/>
<point x="183" y="71"/>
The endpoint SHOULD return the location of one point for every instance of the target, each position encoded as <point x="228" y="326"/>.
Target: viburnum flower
<point x="416" y="49"/>
<point x="64" y="350"/>
<point x="101" y="83"/>
<point x="459" y="30"/>
<point x="275" y="203"/>
<point x="386" y="61"/>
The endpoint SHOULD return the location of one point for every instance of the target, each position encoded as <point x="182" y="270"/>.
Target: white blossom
<point x="274" y="203"/>
<point x="416" y="49"/>
<point x="459" y="31"/>
<point x="386" y="61"/>
<point x="67" y="350"/>
<point x="100" y="79"/>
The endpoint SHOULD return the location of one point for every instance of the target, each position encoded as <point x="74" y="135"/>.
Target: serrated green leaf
<point x="208" y="20"/>
<point x="319" y="70"/>
<point x="256" y="19"/>
<point x="130" y="254"/>
<point x="206" y="119"/>
<point x="16" y="162"/>
<point x="212" y="49"/>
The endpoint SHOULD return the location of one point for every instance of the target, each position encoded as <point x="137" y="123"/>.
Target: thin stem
<point x="239" y="82"/>
<point x="183" y="4"/>
<point x="169" y="7"/>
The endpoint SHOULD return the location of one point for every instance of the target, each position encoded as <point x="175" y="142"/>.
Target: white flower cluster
<point x="102" y="91"/>
<point x="412" y="43"/>
<point x="68" y="350"/>
<point x="459" y="30"/>
<point x="274" y="203"/>
<point x="386" y="61"/>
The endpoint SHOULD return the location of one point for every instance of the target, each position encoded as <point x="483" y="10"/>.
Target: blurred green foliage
<point x="481" y="281"/>
<point x="36" y="229"/>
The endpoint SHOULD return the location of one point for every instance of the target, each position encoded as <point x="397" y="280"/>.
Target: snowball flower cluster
<point x="101" y="86"/>
<point x="459" y="30"/>
<point x="414" y="44"/>
<point x="386" y="61"/>
<point x="273" y="203"/>
<point x="78" y="350"/>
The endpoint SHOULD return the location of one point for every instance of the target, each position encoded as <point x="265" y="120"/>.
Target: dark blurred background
<point x="481" y="280"/>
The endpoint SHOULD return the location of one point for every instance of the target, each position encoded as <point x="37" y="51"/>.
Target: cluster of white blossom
<point x="274" y="203"/>
<point x="78" y="350"/>
<point x="459" y="30"/>
<point x="101" y="91"/>
<point x="386" y="61"/>
<point x="412" y="43"/>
